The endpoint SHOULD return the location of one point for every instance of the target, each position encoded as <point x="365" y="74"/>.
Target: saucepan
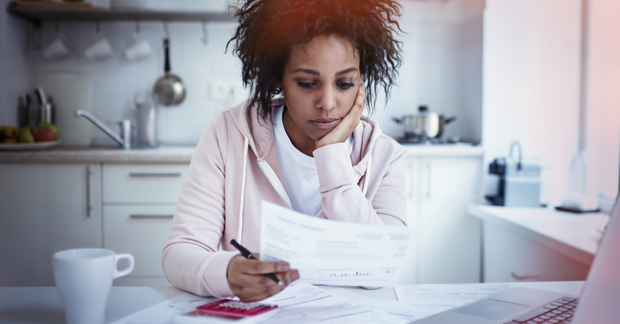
<point x="424" y="124"/>
<point x="169" y="89"/>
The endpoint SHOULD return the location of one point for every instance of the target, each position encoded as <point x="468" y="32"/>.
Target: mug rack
<point x="37" y="15"/>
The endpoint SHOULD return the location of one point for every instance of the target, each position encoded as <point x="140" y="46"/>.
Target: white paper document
<point x="304" y="304"/>
<point x="299" y="303"/>
<point x="162" y="313"/>
<point x="332" y="252"/>
<point x="429" y="299"/>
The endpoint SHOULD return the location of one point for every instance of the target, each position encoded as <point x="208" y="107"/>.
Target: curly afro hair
<point x="268" y="29"/>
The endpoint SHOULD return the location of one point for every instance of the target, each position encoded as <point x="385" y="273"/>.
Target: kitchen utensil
<point x="168" y="89"/>
<point x="140" y="48"/>
<point x="101" y="48"/>
<point x="72" y="90"/>
<point x="146" y="119"/>
<point x="46" y="108"/>
<point x="425" y="124"/>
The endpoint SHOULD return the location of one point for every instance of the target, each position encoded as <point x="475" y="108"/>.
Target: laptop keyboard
<point x="559" y="311"/>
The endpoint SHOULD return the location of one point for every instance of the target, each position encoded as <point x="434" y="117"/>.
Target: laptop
<point x="599" y="301"/>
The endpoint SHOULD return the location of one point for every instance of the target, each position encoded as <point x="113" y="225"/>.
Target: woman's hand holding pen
<point x="346" y="127"/>
<point x="248" y="278"/>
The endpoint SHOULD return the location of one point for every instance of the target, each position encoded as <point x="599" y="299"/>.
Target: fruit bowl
<point x="28" y="146"/>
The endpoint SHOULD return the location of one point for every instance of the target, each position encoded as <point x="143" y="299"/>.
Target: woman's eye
<point x="306" y="85"/>
<point x="345" y="85"/>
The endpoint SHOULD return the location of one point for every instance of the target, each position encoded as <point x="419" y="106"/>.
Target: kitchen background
<point x="509" y="70"/>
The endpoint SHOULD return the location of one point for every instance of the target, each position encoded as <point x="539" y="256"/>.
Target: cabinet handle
<point x="89" y="203"/>
<point x="141" y="216"/>
<point x="526" y="277"/>
<point x="155" y="175"/>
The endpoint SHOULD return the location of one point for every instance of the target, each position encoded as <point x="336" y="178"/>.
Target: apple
<point x="43" y="134"/>
<point x="51" y="126"/>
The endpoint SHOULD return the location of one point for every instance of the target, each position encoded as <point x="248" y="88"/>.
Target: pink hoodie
<point x="235" y="167"/>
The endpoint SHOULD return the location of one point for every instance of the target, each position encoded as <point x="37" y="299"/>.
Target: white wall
<point x="14" y="71"/>
<point x="603" y="99"/>
<point x="531" y="84"/>
<point x="442" y="69"/>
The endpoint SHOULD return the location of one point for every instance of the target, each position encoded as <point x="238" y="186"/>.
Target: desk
<point x="21" y="305"/>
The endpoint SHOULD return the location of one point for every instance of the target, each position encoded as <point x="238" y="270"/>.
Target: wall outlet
<point x="220" y="90"/>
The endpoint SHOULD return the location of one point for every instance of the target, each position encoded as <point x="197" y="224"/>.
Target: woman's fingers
<point x="249" y="281"/>
<point x="348" y="123"/>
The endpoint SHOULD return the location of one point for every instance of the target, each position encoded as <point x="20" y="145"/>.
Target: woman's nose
<point x="327" y="99"/>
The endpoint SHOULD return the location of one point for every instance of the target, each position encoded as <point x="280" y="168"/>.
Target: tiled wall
<point x="14" y="69"/>
<point x="442" y="68"/>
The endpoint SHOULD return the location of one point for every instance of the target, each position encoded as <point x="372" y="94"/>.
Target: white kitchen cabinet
<point x="138" y="205"/>
<point x="45" y="208"/>
<point x="448" y="241"/>
<point x="510" y="257"/>
<point x="142" y="231"/>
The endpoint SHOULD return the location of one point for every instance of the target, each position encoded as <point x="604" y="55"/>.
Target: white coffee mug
<point x="139" y="49"/>
<point x="99" y="49"/>
<point x="56" y="49"/>
<point x="84" y="278"/>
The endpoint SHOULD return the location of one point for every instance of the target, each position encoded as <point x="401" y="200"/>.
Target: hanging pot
<point x="168" y="89"/>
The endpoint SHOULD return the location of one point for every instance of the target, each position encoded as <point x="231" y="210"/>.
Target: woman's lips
<point x="325" y="123"/>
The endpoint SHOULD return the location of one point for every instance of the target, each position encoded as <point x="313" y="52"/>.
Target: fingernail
<point x="284" y="267"/>
<point x="295" y="276"/>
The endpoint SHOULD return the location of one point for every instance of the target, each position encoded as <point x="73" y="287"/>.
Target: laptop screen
<point x="600" y="298"/>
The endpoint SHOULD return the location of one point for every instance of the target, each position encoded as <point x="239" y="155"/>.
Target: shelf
<point x="37" y="15"/>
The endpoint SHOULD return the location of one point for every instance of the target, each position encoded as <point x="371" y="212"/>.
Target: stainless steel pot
<point x="425" y="124"/>
<point x="169" y="89"/>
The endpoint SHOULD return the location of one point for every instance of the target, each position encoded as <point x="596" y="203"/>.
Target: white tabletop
<point x="43" y="304"/>
<point x="573" y="235"/>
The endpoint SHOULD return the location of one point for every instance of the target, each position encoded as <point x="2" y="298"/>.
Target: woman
<point x="310" y="149"/>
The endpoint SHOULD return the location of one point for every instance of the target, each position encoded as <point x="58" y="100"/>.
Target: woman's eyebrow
<point x="352" y="69"/>
<point x="306" y="71"/>
<point x="313" y="72"/>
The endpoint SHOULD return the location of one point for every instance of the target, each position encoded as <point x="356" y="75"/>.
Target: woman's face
<point x="320" y="83"/>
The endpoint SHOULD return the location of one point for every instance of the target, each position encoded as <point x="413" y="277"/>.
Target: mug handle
<point x="125" y="271"/>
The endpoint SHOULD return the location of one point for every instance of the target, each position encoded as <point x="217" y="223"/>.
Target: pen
<point x="248" y="255"/>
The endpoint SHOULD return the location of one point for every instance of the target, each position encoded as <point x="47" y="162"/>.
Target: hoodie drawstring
<point x="367" y="176"/>
<point x="246" y="144"/>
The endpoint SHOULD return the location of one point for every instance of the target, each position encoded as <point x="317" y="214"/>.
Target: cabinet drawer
<point x="143" y="183"/>
<point x="142" y="231"/>
<point x="510" y="257"/>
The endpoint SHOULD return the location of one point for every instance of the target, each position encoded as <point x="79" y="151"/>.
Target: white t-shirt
<point x="301" y="180"/>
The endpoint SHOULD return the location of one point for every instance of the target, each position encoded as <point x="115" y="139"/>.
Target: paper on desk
<point x="429" y="299"/>
<point x="332" y="252"/>
<point x="162" y="313"/>
<point x="304" y="303"/>
<point x="300" y="303"/>
<point x="448" y="295"/>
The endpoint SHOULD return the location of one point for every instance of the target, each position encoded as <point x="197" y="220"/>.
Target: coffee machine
<point x="518" y="183"/>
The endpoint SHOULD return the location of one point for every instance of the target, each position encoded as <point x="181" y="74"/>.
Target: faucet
<point x="124" y="140"/>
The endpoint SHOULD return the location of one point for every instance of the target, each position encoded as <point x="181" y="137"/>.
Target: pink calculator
<point x="234" y="308"/>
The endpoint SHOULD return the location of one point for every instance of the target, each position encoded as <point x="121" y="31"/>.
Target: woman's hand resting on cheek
<point x="345" y="128"/>
<point x="248" y="281"/>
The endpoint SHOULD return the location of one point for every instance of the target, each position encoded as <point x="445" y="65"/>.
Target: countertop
<point x="43" y="304"/>
<point x="162" y="154"/>
<point x="183" y="154"/>
<point x="573" y="235"/>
